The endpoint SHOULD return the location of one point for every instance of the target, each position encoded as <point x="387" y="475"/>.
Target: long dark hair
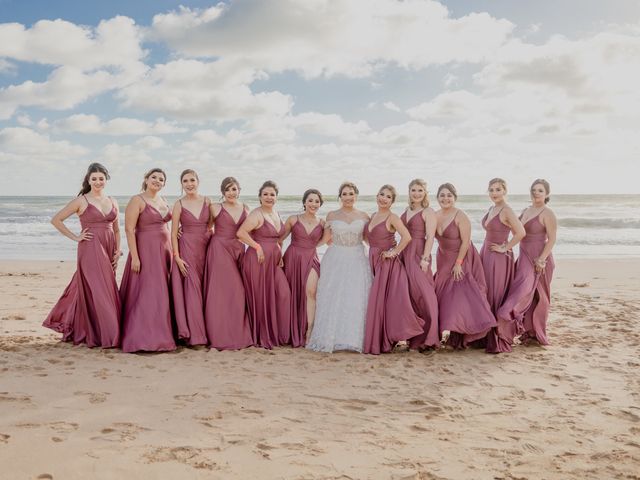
<point x="93" y="168"/>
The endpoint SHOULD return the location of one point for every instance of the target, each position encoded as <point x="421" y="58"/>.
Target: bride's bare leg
<point x="311" y="290"/>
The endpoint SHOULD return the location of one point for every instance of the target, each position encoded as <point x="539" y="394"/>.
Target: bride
<point x="345" y="280"/>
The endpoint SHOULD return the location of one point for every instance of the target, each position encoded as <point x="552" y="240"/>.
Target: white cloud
<point x="196" y="90"/>
<point x="114" y="42"/>
<point x="92" y="124"/>
<point x="26" y="144"/>
<point x="7" y="67"/>
<point x="391" y="106"/>
<point x="150" y="142"/>
<point x="330" y="37"/>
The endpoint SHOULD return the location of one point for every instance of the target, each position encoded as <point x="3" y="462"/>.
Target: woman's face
<point x="190" y="183"/>
<point x="232" y="193"/>
<point x="155" y="182"/>
<point x="312" y="203"/>
<point x="417" y="194"/>
<point x="97" y="181"/>
<point x="496" y="192"/>
<point x="268" y="197"/>
<point x="538" y="193"/>
<point x="384" y="198"/>
<point x="446" y="198"/>
<point x="348" y="197"/>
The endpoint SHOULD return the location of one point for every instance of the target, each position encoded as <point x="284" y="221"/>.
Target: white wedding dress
<point x="343" y="291"/>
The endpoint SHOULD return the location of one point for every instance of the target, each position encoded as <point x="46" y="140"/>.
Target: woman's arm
<point x="116" y="233"/>
<point x="131" y="214"/>
<point x="551" y="224"/>
<point x="69" y="209"/>
<point x="464" y="227"/>
<point x="430" y="225"/>
<point x="405" y="237"/>
<point x="252" y="222"/>
<point x="288" y="225"/>
<point x="175" y="244"/>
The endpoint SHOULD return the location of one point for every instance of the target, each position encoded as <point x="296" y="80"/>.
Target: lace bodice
<point x="345" y="234"/>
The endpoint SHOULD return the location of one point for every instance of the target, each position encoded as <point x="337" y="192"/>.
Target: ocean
<point x="590" y="226"/>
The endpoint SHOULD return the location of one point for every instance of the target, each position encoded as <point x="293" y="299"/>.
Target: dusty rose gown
<point x="267" y="290"/>
<point x="464" y="309"/>
<point x="299" y="259"/>
<point x="526" y="308"/>
<point x="146" y="306"/>
<point x="89" y="309"/>
<point x="421" y="284"/>
<point x="498" y="272"/>
<point x="225" y="306"/>
<point x="390" y="316"/>
<point x="187" y="291"/>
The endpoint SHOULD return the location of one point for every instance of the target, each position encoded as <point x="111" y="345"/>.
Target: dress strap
<point x="143" y="199"/>
<point x="85" y="199"/>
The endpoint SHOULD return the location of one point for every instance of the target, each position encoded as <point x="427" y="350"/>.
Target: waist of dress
<point x="97" y="225"/>
<point x="417" y="233"/>
<point x="201" y="229"/>
<point x="153" y="228"/>
<point x="266" y="241"/>
<point x="496" y="237"/>
<point x="340" y="245"/>
<point x="304" y="246"/>
<point x="381" y="245"/>
<point x="534" y="238"/>
<point x="227" y="237"/>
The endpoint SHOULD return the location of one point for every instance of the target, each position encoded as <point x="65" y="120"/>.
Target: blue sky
<point x="310" y="92"/>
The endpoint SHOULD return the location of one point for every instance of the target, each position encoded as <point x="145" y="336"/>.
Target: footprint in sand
<point x="94" y="397"/>
<point x="14" y="397"/>
<point x="44" y="476"/>
<point x="4" y="438"/>
<point x="120" y="432"/>
<point x="194" y="457"/>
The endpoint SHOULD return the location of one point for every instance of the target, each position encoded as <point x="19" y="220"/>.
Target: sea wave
<point x="613" y="223"/>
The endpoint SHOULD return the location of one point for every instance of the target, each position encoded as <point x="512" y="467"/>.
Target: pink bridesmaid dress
<point x="268" y="294"/>
<point x="464" y="309"/>
<point x="299" y="259"/>
<point x="390" y="316"/>
<point x="225" y="305"/>
<point x="146" y="306"/>
<point x="526" y="308"/>
<point x="498" y="272"/>
<point x="421" y="284"/>
<point x="187" y="291"/>
<point x="89" y="309"/>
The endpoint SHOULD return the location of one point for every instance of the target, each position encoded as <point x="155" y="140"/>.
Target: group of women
<point x="218" y="277"/>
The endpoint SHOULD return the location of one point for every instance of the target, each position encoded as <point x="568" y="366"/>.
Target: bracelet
<point x="458" y="261"/>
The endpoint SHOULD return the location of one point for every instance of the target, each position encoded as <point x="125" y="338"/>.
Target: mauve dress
<point x="225" y="304"/>
<point x="464" y="309"/>
<point x="390" y="316"/>
<point x="188" y="306"/>
<point x="421" y="284"/>
<point x="89" y="309"/>
<point x="146" y="305"/>
<point x="267" y="290"/>
<point x="526" y="308"/>
<point x="498" y="273"/>
<point x="299" y="259"/>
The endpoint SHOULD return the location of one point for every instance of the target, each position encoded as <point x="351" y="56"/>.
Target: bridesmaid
<point x="390" y="315"/>
<point x="191" y="214"/>
<point x="497" y="256"/>
<point x="421" y="222"/>
<point x="465" y="315"/>
<point x="526" y="309"/>
<point x="302" y="265"/>
<point x="268" y="294"/>
<point x="225" y="308"/>
<point x="146" y="309"/>
<point x="89" y="309"/>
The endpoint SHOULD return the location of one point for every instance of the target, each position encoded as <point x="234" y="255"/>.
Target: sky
<point x="310" y="93"/>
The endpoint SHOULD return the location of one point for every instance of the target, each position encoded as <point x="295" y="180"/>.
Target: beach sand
<point x="570" y="410"/>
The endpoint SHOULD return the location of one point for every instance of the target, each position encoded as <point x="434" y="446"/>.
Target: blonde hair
<point x="392" y="189"/>
<point x="418" y="181"/>
<point x="546" y="186"/>
<point x="348" y="185"/>
<point x="500" y="181"/>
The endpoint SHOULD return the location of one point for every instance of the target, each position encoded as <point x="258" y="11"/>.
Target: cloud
<point x="91" y="124"/>
<point x="114" y="42"/>
<point x="332" y="37"/>
<point x="196" y="90"/>
<point x="26" y="144"/>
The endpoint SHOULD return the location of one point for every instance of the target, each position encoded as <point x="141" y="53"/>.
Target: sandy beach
<point x="570" y="410"/>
